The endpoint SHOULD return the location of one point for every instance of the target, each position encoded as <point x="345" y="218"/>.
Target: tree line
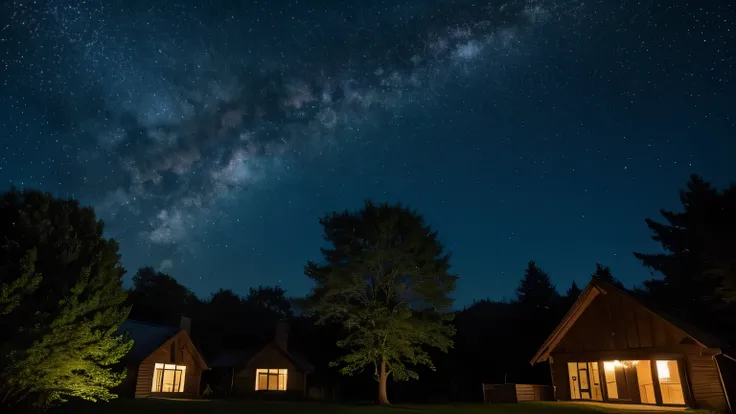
<point x="381" y="308"/>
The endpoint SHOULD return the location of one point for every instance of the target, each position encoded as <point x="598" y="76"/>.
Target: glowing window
<point x="663" y="371"/>
<point x="670" y="384"/>
<point x="609" y="373"/>
<point x="168" y="378"/>
<point x="271" y="379"/>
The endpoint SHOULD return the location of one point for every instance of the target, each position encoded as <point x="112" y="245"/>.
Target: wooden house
<point x="163" y="361"/>
<point x="271" y="371"/>
<point x="610" y="347"/>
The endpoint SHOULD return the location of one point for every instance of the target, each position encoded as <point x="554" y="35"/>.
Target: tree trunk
<point x="382" y="395"/>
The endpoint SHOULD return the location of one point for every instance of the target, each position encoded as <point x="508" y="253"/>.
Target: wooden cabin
<point x="610" y="347"/>
<point x="163" y="361"/>
<point x="271" y="371"/>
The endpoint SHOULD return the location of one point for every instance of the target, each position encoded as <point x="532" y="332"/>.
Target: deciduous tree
<point x="386" y="278"/>
<point x="62" y="300"/>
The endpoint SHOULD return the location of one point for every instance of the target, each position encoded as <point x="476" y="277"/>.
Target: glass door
<point x="584" y="380"/>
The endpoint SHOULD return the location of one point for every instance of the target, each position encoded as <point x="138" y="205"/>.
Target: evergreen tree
<point x="698" y="264"/>
<point x="387" y="280"/>
<point x="536" y="291"/>
<point x="573" y="292"/>
<point x="604" y="273"/>
<point x="62" y="301"/>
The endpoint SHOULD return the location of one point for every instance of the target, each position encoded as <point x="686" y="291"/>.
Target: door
<point x="624" y="391"/>
<point x="584" y="381"/>
<point x="627" y="381"/>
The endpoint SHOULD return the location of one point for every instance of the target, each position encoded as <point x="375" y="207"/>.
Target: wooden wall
<point x="270" y="357"/>
<point x="560" y="379"/>
<point x="614" y="321"/>
<point x="705" y="381"/>
<point x="533" y="392"/>
<point x="512" y="393"/>
<point x="615" y="326"/>
<point x="183" y="356"/>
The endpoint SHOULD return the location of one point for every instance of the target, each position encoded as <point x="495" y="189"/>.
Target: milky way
<point x="179" y="126"/>
<point x="169" y="116"/>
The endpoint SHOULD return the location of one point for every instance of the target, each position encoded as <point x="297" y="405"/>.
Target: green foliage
<point x="387" y="281"/>
<point x="27" y="282"/>
<point x="58" y="331"/>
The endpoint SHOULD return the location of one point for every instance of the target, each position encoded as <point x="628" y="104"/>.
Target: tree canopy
<point x="386" y="279"/>
<point x="536" y="291"/>
<point x="604" y="273"/>
<point x="698" y="264"/>
<point x="62" y="300"/>
<point x="158" y="298"/>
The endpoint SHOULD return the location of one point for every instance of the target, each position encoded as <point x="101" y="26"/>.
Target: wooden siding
<point x="512" y="393"/>
<point x="613" y="322"/>
<point x="617" y="327"/>
<point x="705" y="381"/>
<point x="559" y="379"/>
<point x="533" y="392"/>
<point x="183" y="355"/>
<point x="270" y="357"/>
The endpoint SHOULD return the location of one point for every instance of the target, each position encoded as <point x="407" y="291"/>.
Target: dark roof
<point x="232" y="358"/>
<point x="147" y="337"/>
<point x="238" y="358"/>
<point x="598" y="286"/>
<point x="301" y="362"/>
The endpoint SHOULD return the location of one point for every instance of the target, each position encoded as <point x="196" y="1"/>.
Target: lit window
<point x="271" y="379"/>
<point x="663" y="371"/>
<point x="670" y="384"/>
<point x="168" y="378"/>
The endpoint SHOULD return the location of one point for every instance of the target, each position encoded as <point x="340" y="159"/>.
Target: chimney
<point x="186" y="325"/>
<point x="282" y="334"/>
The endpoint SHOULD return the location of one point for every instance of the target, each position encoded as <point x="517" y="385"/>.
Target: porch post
<point x="602" y="380"/>
<point x="685" y="382"/>
<point x="655" y="381"/>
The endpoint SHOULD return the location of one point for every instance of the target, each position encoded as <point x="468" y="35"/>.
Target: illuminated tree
<point x="61" y="298"/>
<point x="387" y="280"/>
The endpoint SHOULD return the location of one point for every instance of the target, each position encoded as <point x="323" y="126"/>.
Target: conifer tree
<point x="536" y="291"/>
<point x="604" y="273"/>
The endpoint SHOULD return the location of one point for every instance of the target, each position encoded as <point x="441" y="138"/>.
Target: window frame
<point x="272" y="372"/>
<point x="163" y="368"/>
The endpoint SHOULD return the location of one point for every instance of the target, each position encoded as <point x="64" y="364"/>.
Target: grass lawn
<point x="152" y="406"/>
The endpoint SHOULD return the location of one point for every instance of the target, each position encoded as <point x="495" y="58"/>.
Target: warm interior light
<point x="663" y="370"/>
<point x="272" y="379"/>
<point x="168" y="378"/>
<point x="609" y="366"/>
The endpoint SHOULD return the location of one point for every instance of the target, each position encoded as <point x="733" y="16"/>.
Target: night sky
<point x="211" y="136"/>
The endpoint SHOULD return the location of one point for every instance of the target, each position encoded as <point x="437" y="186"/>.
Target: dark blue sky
<point x="211" y="137"/>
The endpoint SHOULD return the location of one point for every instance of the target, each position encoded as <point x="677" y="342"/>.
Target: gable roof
<point x="242" y="357"/>
<point x="598" y="287"/>
<point x="148" y="337"/>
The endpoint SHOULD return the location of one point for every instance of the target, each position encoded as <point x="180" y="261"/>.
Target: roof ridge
<point x="149" y="324"/>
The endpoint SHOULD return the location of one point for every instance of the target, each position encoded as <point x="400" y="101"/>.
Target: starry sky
<point x="210" y="136"/>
